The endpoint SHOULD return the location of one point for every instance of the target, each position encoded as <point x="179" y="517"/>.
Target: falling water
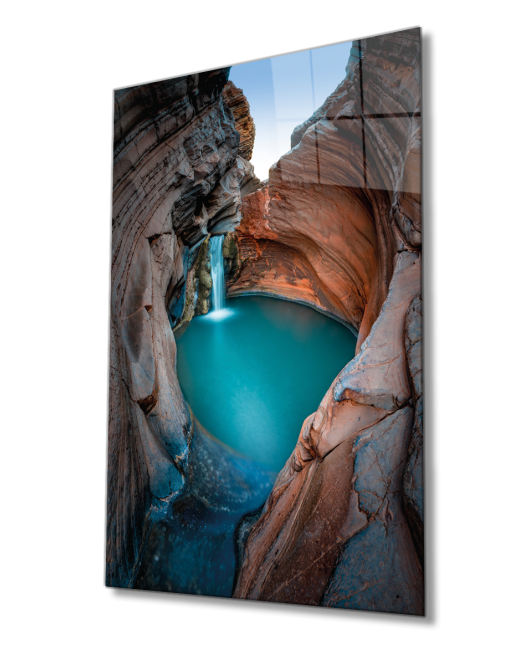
<point x="218" y="273"/>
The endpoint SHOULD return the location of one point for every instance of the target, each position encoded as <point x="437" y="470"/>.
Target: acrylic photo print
<point x="266" y="399"/>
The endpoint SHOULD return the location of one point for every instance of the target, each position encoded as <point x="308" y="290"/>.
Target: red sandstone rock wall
<point x="324" y="230"/>
<point x="343" y="209"/>
<point x="339" y="226"/>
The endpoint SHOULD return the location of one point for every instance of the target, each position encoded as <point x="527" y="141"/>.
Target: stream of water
<point x="218" y="275"/>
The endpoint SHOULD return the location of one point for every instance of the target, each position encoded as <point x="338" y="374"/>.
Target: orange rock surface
<point x="338" y="225"/>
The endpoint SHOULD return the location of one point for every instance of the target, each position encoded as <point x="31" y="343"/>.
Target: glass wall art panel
<point x="265" y="419"/>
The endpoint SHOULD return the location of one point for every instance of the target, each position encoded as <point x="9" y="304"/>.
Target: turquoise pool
<point x="254" y="371"/>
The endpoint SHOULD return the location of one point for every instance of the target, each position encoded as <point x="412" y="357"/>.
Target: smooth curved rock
<point x="338" y="225"/>
<point x="340" y="211"/>
<point x="190" y="546"/>
<point x="349" y="543"/>
<point x="325" y="246"/>
<point x="175" y="144"/>
<point x="345" y="475"/>
<point x="378" y="567"/>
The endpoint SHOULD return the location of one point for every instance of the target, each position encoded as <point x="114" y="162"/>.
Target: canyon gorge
<point x="336" y="227"/>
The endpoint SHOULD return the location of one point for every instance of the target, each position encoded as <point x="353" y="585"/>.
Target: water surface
<point x="251" y="377"/>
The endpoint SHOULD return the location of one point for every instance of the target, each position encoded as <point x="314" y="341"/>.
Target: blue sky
<point x="283" y="92"/>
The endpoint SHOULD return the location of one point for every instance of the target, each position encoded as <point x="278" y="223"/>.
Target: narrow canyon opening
<point x="330" y="243"/>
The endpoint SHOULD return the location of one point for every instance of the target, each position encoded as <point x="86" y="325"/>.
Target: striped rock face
<point x="338" y="226"/>
<point x="238" y="104"/>
<point x="178" y="174"/>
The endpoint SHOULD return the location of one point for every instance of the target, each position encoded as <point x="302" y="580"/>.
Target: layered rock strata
<point x="347" y="197"/>
<point x="238" y="104"/>
<point x="222" y="207"/>
<point x="178" y="175"/>
<point x="338" y="226"/>
<point x="312" y="243"/>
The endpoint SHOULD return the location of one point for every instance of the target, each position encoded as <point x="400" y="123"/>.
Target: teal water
<point x="253" y="377"/>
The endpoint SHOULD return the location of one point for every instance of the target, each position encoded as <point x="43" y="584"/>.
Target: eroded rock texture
<point x="338" y="226"/>
<point x="336" y="211"/>
<point x="223" y="205"/>
<point x="239" y="106"/>
<point x="178" y="175"/>
<point x="190" y="546"/>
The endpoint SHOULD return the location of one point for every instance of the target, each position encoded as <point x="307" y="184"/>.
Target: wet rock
<point x="174" y="143"/>
<point x="190" y="543"/>
<point x="204" y="279"/>
<point x="231" y="255"/>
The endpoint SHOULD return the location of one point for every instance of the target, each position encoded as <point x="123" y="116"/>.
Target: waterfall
<point x="218" y="273"/>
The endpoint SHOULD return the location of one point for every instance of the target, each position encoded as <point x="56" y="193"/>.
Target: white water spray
<point x="219" y="309"/>
<point x="218" y="273"/>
